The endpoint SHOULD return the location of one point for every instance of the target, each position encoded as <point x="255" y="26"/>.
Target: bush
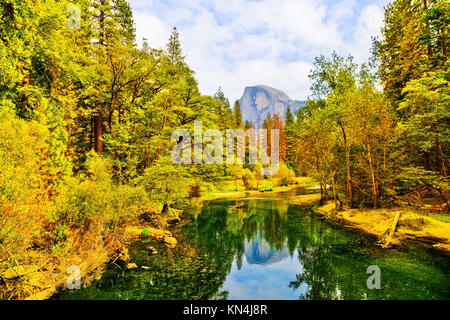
<point x="194" y="191"/>
<point x="145" y="233"/>
<point x="22" y="146"/>
<point x="166" y="183"/>
<point x="95" y="203"/>
<point x="285" y="175"/>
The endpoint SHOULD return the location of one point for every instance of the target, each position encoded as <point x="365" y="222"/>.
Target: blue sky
<point x="239" y="43"/>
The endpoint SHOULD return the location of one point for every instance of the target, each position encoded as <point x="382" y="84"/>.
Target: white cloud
<point x="369" y="24"/>
<point x="237" y="43"/>
<point x="151" y="28"/>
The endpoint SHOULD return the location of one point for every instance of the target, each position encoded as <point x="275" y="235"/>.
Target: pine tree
<point x="282" y="143"/>
<point x="223" y="111"/>
<point x="414" y="71"/>
<point x="238" y="114"/>
<point x="290" y="132"/>
<point x="289" y="120"/>
<point x="114" y="36"/>
<point x="174" y="50"/>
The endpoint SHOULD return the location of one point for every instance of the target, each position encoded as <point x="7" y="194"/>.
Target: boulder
<point x="174" y="216"/>
<point x="132" y="266"/>
<point x="170" y="242"/>
<point x="151" y="249"/>
<point x="153" y="217"/>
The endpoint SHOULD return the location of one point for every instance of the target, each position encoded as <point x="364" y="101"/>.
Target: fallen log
<point x="392" y="230"/>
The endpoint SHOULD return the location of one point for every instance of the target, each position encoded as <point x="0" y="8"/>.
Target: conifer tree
<point x="238" y="114"/>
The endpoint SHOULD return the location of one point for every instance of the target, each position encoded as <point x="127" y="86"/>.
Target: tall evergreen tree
<point x="223" y="111"/>
<point x="113" y="36"/>
<point x="238" y="114"/>
<point x="289" y="120"/>
<point x="174" y="50"/>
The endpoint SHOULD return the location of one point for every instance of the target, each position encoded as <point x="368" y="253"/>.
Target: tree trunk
<point x="334" y="190"/>
<point x="246" y="183"/>
<point x="392" y="230"/>
<point x="165" y="209"/>
<point x="443" y="170"/>
<point x="98" y="133"/>
<point x="319" y="172"/>
<point x="372" y="176"/>
<point x="147" y="158"/>
<point x="347" y="165"/>
<point x="110" y="125"/>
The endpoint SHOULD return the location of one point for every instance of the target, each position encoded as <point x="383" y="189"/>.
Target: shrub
<point x="194" y="191"/>
<point x="145" y="233"/>
<point x="22" y="146"/>
<point x="96" y="202"/>
<point x="285" y="175"/>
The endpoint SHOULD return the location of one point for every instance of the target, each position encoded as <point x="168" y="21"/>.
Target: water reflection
<point x="259" y="251"/>
<point x="264" y="248"/>
<point x="281" y="252"/>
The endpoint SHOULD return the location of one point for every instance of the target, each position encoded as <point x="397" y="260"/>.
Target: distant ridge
<point x="258" y="101"/>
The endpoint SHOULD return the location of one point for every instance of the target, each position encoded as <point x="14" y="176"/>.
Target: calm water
<point x="264" y="248"/>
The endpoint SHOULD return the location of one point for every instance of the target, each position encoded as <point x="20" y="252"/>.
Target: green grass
<point x="441" y="217"/>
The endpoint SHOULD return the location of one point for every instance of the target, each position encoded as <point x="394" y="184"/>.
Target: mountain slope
<point x="260" y="100"/>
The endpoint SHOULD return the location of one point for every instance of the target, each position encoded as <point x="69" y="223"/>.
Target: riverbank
<point x="237" y="242"/>
<point x="432" y="229"/>
<point x="427" y="228"/>
<point x="87" y="256"/>
<point x="46" y="281"/>
<point x="268" y="187"/>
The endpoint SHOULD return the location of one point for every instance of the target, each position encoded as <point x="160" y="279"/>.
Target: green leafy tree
<point x="166" y="183"/>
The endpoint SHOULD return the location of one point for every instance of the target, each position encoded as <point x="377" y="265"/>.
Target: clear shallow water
<point x="264" y="248"/>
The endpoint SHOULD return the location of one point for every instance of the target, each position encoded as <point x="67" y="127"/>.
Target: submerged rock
<point x="153" y="217"/>
<point x="132" y="266"/>
<point x="170" y="241"/>
<point x="151" y="249"/>
<point x="174" y="216"/>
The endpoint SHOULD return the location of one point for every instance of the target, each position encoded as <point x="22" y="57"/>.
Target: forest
<point x="86" y="118"/>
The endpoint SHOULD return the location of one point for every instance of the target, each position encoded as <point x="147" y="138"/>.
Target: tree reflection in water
<point x="267" y="249"/>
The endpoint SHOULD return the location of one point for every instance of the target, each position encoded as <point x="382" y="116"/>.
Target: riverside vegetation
<point x="86" y="118"/>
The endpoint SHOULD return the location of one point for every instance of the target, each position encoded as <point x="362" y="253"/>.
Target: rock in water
<point x="132" y="266"/>
<point x="151" y="249"/>
<point x="260" y="100"/>
<point x="170" y="242"/>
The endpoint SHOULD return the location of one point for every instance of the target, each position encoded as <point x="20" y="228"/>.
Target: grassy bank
<point x="433" y="229"/>
<point x="45" y="282"/>
<point x="430" y="228"/>
<point x="231" y="189"/>
<point x="89" y="254"/>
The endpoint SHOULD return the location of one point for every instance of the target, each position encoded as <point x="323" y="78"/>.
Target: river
<point x="264" y="248"/>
